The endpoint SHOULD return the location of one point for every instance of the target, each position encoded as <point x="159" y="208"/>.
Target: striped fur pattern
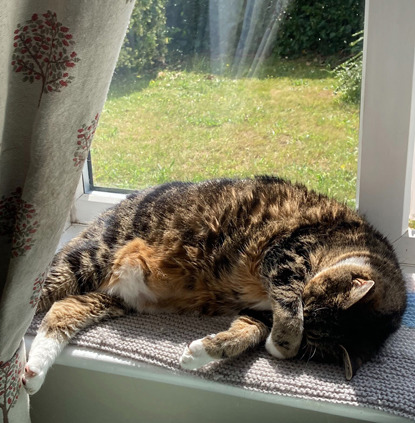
<point x="303" y="273"/>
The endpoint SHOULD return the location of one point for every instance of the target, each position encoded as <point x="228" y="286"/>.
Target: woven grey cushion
<point x="386" y="383"/>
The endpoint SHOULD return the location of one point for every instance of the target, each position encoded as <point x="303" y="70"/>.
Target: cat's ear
<point x="351" y="363"/>
<point x="360" y="288"/>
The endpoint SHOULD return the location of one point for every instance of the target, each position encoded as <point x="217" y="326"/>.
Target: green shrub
<point x="145" y="43"/>
<point x="349" y="73"/>
<point x="324" y="27"/>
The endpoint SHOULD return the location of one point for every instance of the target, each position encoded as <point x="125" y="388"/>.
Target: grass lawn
<point x="190" y="125"/>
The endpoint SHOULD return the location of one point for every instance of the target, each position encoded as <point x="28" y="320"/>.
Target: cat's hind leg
<point x="244" y="333"/>
<point x="63" y="321"/>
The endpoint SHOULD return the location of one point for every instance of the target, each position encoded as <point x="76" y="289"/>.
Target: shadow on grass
<point x="302" y="68"/>
<point x="307" y="68"/>
<point x="123" y="84"/>
<point x="126" y="83"/>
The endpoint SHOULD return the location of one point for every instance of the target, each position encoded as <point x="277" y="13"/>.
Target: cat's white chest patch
<point x="131" y="287"/>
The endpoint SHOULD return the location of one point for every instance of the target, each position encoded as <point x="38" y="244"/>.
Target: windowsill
<point x="89" y="206"/>
<point x="405" y="249"/>
<point x="92" y="360"/>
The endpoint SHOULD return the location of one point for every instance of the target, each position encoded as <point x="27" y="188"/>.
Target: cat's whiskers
<point x="306" y="348"/>
<point x="312" y="354"/>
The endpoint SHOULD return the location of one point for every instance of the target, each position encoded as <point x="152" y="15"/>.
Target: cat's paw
<point x="195" y="356"/>
<point x="275" y="350"/>
<point x="32" y="379"/>
<point x="42" y="355"/>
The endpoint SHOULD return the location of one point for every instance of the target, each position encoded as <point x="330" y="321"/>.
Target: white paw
<point x="42" y="355"/>
<point x="33" y="379"/>
<point x="273" y="349"/>
<point x="195" y="356"/>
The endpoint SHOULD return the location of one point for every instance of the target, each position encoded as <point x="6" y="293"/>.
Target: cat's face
<point x="339" y="316"/>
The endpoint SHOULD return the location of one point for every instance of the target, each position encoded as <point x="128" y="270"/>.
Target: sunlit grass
<point x="185" y="125"/>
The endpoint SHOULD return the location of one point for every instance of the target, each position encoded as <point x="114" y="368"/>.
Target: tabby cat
<point x="301" y="272"/>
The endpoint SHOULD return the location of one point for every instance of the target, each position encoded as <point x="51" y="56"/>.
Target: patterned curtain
<point x="56" y="62"/>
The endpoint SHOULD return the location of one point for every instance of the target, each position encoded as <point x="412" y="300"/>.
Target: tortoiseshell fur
<point x="304" y="272"/>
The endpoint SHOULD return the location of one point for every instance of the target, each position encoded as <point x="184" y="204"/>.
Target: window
<point x="228" y="102"/>
<point x="386" y="129"/>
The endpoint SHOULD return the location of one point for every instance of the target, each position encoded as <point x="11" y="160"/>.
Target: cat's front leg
<point x="246" y="331"/>
<point x="287" y="329"/>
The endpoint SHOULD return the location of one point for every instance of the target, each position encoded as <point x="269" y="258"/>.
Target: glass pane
<point x="234" y="88"/>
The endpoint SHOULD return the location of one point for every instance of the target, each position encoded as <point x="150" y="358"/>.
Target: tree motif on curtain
<point x="84" y="139"/>
<point x="37" y="288"/>
<point x="43" y="52"/>
<point x="18" y="222"/>
<point x="10" y="384"/>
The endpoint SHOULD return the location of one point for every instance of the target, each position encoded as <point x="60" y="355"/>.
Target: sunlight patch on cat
<point x="360" y="261"/>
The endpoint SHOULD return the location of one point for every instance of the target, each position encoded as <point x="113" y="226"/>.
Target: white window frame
<point x="387" y="122"/>
<point x="387" y="130"/>
<point x="90" y="203"/>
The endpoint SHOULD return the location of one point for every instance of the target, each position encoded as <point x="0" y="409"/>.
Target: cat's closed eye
<point x="313" y="335"/>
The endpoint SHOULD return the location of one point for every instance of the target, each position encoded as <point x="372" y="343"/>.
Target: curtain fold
<point x="57" y="60"/>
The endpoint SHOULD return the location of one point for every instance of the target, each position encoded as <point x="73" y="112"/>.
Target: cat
<point x="302" y="273"/>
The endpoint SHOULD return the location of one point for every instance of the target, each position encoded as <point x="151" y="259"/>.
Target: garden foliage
<point x="146" y="40"/>
<point x="349" y="73"/>
<point x="187" y="27"/>
<point x="169" y="30"/>
<point x="323" y="27"/>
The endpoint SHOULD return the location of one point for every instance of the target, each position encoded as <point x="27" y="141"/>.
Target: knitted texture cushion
<point x="385" y="383"/>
